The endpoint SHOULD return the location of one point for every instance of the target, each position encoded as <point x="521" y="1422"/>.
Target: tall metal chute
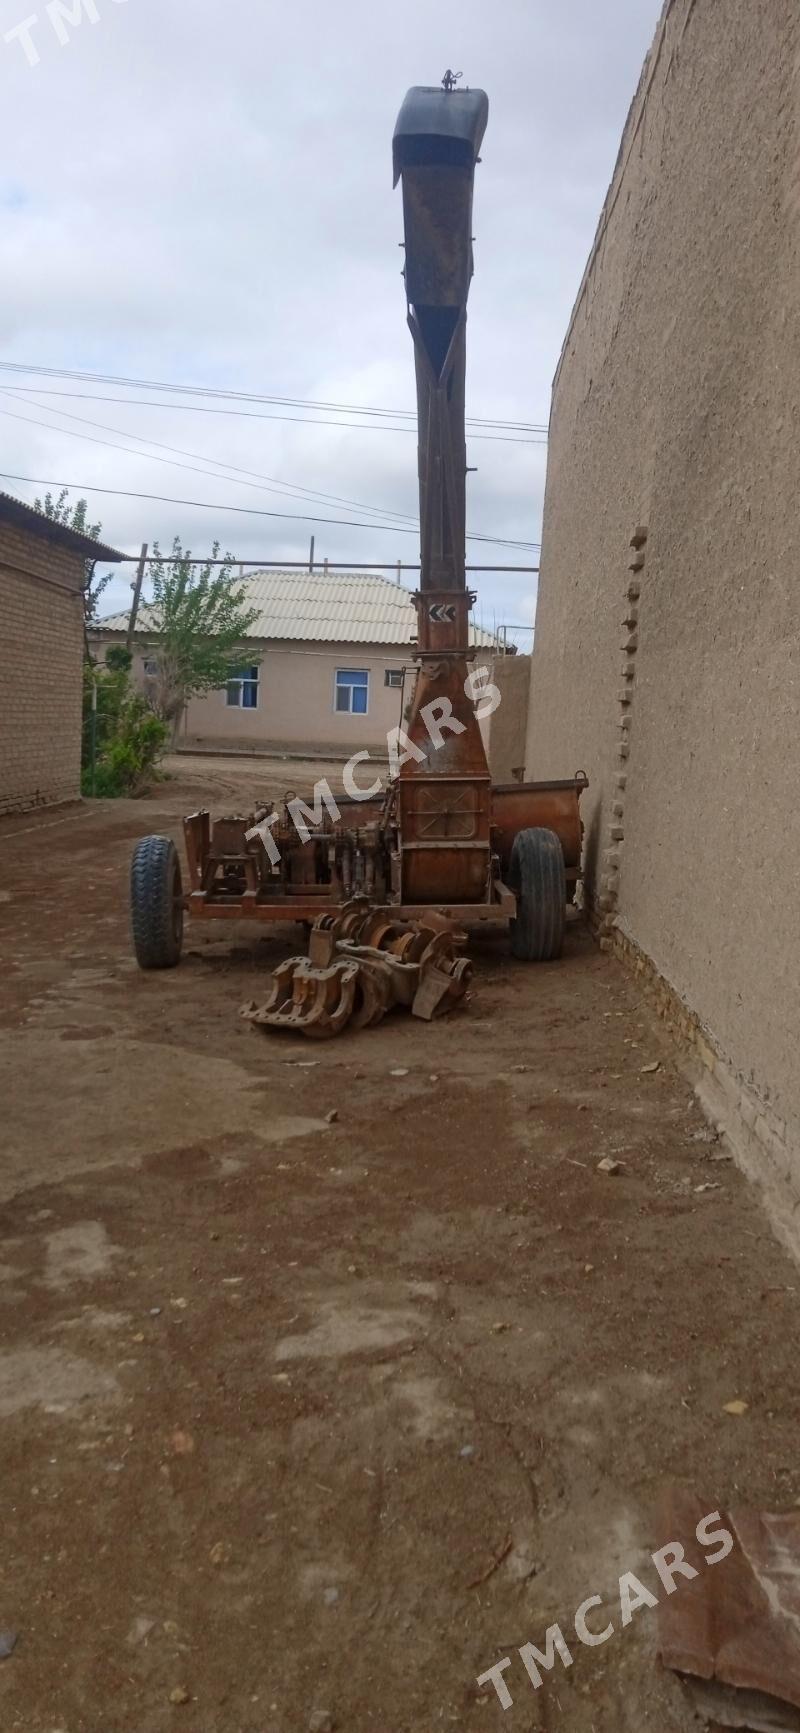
<point x="436" y="144"/>
<point x="444" y="788"/>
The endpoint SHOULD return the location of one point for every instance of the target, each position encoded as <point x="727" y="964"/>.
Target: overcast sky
<point x="201" y="194"/>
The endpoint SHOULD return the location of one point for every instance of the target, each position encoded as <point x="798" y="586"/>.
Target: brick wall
<point x="41" y="651"/>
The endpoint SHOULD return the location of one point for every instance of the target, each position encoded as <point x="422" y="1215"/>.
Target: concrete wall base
<point x="221" y="746"/>
<point x="757" y="1137"/>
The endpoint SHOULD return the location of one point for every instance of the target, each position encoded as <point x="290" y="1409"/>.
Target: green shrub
<point x="128" y="737"/>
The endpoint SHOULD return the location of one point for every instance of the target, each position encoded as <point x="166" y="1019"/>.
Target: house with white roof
<point x="326" y="665"/>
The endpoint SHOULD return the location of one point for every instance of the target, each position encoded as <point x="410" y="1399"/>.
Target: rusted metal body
<point x="553" y="806"/>
<point x="362" y="964"/>
<point x="445" y="807"/>
<point x="439" y="837"/>
<point x="231" y="878"/>
<point x="731" y="1631"/>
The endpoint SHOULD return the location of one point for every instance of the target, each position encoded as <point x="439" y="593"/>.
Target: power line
<point x="245" y="414"/>
<point x="299" y="403"/>
<point x="320" y="566"/>
<point x="175" y="463"/>
<point x="290" y="489"/>
<point x="259" y="397"/>
<point x="518" y="427"/>
<point x="112" y="445"/>
<point x="319" y="620"/>
<point x="240" y="510"/>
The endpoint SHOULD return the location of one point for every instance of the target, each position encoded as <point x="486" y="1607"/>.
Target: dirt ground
<point x="309" y="1424"/>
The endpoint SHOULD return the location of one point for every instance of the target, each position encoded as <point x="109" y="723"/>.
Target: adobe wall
<point x="670" y="670"/>
<point x="505" y="730"/>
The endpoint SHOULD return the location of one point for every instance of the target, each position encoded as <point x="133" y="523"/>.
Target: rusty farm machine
<point x="388" y="885"/>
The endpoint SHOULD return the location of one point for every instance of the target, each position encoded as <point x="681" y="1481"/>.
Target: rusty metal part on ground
<point x="731" y="1632"/>
<point x="361" y="964"/>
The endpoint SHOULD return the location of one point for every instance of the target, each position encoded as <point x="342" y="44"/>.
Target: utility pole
<point x="137" y="596"/>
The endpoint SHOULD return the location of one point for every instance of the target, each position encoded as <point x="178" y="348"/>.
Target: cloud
<point x="203" y="194"/>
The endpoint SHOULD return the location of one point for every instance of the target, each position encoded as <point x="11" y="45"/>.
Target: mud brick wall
<point x="675" y="407"/>
<point x="41" y="653"/>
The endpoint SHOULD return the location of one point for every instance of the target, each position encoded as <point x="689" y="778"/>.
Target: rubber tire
<point x="156" y="903"/>
<point x="538" y="878"/>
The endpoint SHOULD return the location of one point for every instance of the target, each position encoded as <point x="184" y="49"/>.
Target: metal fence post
<point x="93" y="735"/>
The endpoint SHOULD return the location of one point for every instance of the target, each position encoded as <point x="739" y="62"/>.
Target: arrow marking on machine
<point x="441" y="611"/>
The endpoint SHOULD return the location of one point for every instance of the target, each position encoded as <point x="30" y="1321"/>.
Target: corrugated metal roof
<point x="340" y="608"/>
<point x="15" y="511"/>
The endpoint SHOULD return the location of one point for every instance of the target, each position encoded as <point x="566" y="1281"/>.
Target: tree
<point x="200" y="617"/>
<point x="75" y="517"/>
<point x="122" y="738"/>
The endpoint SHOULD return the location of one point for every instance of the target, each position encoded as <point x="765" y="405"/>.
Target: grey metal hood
<point x="439" y="126"/>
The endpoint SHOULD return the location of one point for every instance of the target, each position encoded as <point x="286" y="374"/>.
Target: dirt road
<point x="303" y="1420"/>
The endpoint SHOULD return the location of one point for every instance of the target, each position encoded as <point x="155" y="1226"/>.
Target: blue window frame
<point x="242" y="689"/>
<point x="352" y="691"/>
